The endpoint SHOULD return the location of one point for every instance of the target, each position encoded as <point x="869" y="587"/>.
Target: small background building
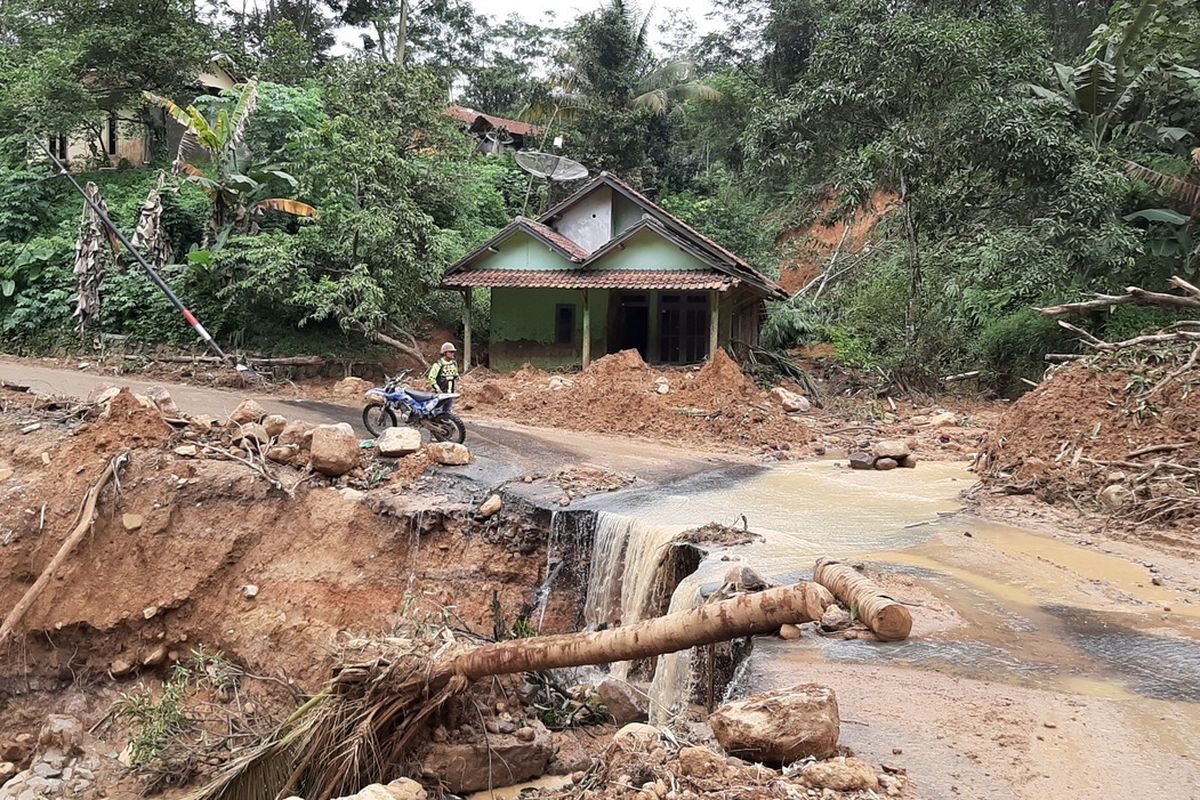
<point x="495" y="133"/>
<point x="122" y="135"/>
<point x="608" y="270"/>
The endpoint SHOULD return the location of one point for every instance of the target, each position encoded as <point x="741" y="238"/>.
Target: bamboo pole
<point x="87" y="515"/>
<point x="889" y="620"/>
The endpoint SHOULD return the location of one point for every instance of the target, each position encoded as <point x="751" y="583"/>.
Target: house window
<point x="564" y="324"/>
<point x="58" y="147"/>
<point x="112" y="134"/>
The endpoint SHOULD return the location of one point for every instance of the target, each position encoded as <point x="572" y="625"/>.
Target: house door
<point x="631" y="324"/>
<point x="683" y="328"/>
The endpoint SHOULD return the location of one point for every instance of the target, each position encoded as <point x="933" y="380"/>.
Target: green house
<point x="608" y="270"/>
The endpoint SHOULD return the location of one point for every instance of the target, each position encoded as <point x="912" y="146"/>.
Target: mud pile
<point x="1116" y="433"/>
<point x="716" y="406"/>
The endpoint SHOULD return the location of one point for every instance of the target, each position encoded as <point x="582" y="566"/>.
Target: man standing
<point x="444" y="372"/>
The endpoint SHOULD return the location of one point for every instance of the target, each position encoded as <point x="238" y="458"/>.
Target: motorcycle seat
<point x="420" y="397"/>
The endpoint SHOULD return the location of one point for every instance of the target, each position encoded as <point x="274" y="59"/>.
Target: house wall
<point x="646" y="250"/>
<point x="625" y="213"/>
<point x="522" y="251"/>
<point x="589" y="223"/>
<point x="523" y="327"/>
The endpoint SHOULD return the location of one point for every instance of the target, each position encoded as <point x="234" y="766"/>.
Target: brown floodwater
<point x="1041" y="623"/>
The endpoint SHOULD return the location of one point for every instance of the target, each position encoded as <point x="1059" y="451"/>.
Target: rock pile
<point x="884" y="455"/>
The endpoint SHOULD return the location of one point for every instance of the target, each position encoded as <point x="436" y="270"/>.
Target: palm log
<point x="889" y="620"/>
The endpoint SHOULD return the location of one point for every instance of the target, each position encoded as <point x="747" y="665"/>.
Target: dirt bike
<point x="399" y="405"/>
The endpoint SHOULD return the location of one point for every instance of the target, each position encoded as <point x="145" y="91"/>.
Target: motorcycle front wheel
<point x="377" y="418"/>
<point x="447" y="428"/>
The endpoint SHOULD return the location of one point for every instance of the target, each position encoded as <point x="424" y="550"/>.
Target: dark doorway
<point x="631" y="325"/>
<point x="683" y="328"/>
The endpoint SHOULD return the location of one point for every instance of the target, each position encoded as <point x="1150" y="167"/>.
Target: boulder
<point x="491" y="506"/>
<point x="251" y="432"/>
<point x="944" y="419"/>
<point x="841" y="774"/>
<point x="891" y="448"/>
<point x="247" y="411"/>
<point x="7" y="770"/>
<point x="62" y="733"/>
<point x="274" y="424"/>
<point x="638" y="733"/>
<point x="282" y="454"/>
<point x="186" y="450"/>
<point x="495" y="760"/>
<point x="103" y="393"/>
<point x="399" y="441"/>
<point x="334" y="449"/>
<point x="780" y="727"/>
<point x="162" y="399"/>
<point x="909" y="461"/>
<point x="399" y="789"/>
<point x="351" y="387"/>
<point x="625" y="703"/>
<point x="862" y="460"/>
<point x="886" y="464"/>
<point x="792" y="402"/>
<point x="450" y="454"/>
<point x="296" y="433"/>
<point x="203" y="422"/>
<point x="662" y="385"/>
<point x="131" y="522"/>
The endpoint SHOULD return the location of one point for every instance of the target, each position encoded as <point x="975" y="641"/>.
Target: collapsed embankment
<point x="188" y="550"/>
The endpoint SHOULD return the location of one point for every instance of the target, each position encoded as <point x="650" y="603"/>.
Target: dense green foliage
<point x="1027" y="150"/>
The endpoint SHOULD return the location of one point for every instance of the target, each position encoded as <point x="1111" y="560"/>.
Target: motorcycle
<point x="399" y="405"/>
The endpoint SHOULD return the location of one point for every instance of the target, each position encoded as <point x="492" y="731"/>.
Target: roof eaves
<point x="566" y="248"/>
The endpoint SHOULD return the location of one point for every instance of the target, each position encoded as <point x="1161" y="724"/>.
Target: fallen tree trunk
<point x="283" y="361"/>
<point x="889" y="620"/>
<point x="362" y="724"/>
<point x="83" y="524"/>
<point x="744" y="615"/>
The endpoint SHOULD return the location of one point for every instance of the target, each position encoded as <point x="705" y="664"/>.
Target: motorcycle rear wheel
<point x="447" y="427"/>
<point x="377" y="418"/>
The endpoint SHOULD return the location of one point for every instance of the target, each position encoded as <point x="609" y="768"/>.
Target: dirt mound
<point x="1115" y="433"/>
<point x="717" y="406"/>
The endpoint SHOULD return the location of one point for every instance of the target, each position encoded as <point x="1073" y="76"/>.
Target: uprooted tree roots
<point x="370" y="713"/>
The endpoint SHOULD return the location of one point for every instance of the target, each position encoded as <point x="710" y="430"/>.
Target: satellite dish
<point x="550" y="166"/>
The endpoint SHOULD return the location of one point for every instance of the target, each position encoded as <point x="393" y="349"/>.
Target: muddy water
<point x="994" y="604"/>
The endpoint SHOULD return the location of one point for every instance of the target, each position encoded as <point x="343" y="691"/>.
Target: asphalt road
<point x="502" y="450"/>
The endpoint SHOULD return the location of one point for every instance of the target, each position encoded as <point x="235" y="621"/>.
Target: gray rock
<point x="399" y="441"/>
<point x="625" y="703"/>
<point x="861" y="460"/>
<point x="886" y="464"/>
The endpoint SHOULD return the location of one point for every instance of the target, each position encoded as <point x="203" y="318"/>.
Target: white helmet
<point x="448" y="347"/>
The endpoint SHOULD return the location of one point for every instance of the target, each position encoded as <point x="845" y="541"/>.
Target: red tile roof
<point x="593" y="279"/>
<point x="469" y="115"/>
<point x="549" y="234"/>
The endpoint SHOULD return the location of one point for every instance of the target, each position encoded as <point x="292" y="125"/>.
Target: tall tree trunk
<point x="402" y="36"/>
<point x="914" y="267"/>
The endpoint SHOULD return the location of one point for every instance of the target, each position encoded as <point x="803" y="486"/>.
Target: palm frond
<point x="293" y="207"/>
<point x="1186" y="192"/>
<point x="1141" y="19"/>
<point x="246" y="104"/>
<point x="1131" y="91"/>
<point x="656" y="100"/>
<point x="696" y="90"/>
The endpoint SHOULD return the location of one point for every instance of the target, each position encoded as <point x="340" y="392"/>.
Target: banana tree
<point x="1101" y="90"/>
<point x="240" y="189"/>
